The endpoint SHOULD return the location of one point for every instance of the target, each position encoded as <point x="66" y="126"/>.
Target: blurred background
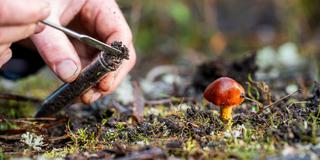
<point x="188" y="32"/>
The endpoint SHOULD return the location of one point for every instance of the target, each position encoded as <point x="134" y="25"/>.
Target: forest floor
<point x="273" y="125"/>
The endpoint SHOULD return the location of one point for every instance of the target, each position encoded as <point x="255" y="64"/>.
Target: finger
<point x="16" y="33"/>
<point x="90" y="96"/>
<point x="107" y="82"/>
<point x="106" y="19"/>
<point x="29" y="11"/>
<point x="68" y="14"/>
<point x="110" y="83"/>
<point x="5" y="56"/>
<point x="95" y="93"/>
<point x="58" y="52"/>
<point x="118" y="30"/>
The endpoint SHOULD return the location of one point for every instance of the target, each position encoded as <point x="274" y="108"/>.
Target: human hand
<point x="101" y="19"/>
<point x="16" y="26"/>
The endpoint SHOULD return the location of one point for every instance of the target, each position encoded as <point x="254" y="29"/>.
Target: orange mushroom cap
<point x="224" y="92"/>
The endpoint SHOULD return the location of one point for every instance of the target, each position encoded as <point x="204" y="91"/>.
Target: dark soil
<point x="184" y="128"/>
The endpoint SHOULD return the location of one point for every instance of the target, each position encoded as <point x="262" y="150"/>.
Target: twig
<point x="27" y="120"/>
<point x="139" y="102"/>
<point x="12" y="131"/>
<point x="20" y="98"/>
<point x="30" y="119"/>
<point x="168" y="100"/>
<point x="279" y="100"/>
<point x="38" y="119"/>
<point x="54" y="139"/>
<point x="10" y="137"/>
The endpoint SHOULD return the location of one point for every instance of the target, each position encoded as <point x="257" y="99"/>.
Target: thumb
<point x="58" y="52"/>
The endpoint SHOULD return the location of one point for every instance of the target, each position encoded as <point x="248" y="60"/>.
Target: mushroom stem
<point x="225" y="113"/>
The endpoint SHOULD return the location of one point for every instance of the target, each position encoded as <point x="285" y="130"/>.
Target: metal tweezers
<point x="83" y="38"/>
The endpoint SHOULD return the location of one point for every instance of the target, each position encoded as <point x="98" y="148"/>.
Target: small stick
<point x="284" y="97"/>
<point x="39" y="119"/>
<point x="11" y="137"/>
<point x="139" y="102"/>
<point x="34" y="119"/>
<point x="168" y="100"/>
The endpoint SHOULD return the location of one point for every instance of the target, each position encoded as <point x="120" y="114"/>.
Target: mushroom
<point x="226" y="93"/>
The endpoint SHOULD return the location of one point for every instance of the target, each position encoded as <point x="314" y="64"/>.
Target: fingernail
<point x="66" y="69"/>
<point x="95" y="97"/>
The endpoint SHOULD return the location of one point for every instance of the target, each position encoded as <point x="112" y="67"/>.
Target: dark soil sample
<point x="105" y="62"/>
<point x="118" y="45"/>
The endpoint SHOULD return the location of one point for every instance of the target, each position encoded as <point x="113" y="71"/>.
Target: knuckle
<point x="46" y="46"/>
<point x="49" y="46"/>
